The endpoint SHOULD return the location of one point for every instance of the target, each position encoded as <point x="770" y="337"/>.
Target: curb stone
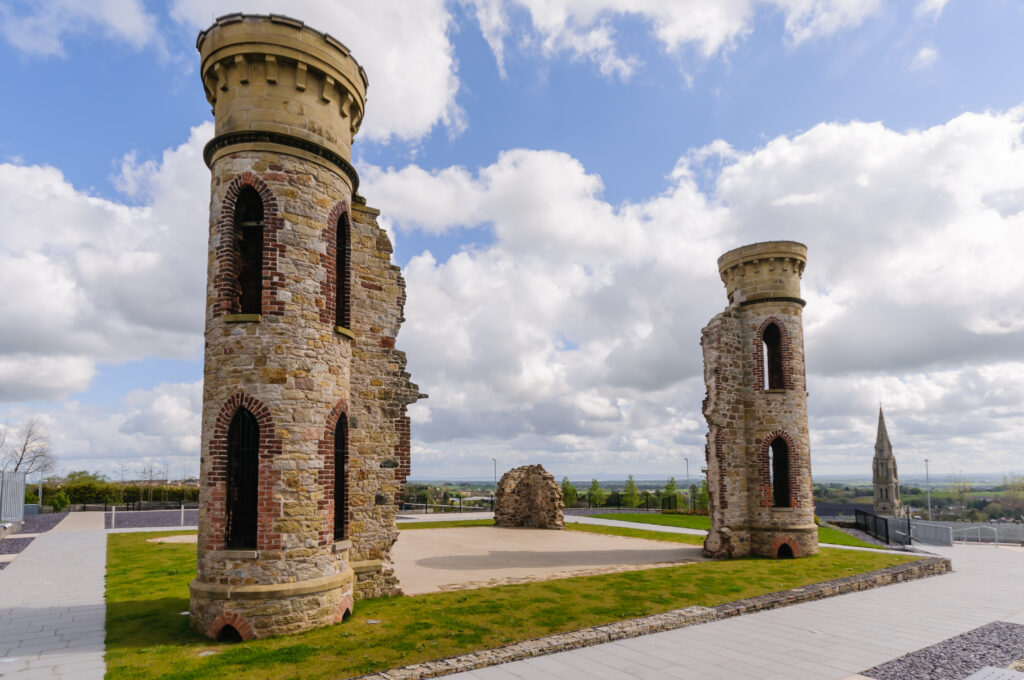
<point x="670" y="620"/>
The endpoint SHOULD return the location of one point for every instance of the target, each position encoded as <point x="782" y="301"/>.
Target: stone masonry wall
<point x="529" y="496"/>
<point x="381" y="391"/>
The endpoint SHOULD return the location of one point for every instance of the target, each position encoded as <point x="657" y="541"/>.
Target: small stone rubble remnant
<point x="529" y="496"/>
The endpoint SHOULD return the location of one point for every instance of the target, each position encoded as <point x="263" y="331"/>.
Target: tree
<point x="630" y="494"/>
<point x="1013" y="484"/>
<point x="959" y="488"/>
<point x="30" y="450"/>
<point x="595" y="494"/>
<point x="568" y="493"/>
<point x="670" y="487"/>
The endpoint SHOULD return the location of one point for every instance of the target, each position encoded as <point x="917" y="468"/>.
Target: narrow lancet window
<point x="340" y="478"/>
<point x="342" y="274"/>
<point x="773" y="358"/>
<point x="248" y="250"/>
<point x="243" y="480"/>
<point x="779" y="470"/>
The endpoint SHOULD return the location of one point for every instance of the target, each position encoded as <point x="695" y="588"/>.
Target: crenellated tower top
<point x="273" y="81"/>
<point x="763" y="272"/>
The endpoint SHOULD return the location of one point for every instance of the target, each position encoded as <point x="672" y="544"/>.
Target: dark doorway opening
<point x="785" y="552"/>
<point x="229" y="634"/>
<point x="243" y="478"/>
<point x="340" y="478"/>
<point x="779" y="465"/>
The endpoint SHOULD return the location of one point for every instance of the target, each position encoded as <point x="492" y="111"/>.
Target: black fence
<point x="884" y="529"/>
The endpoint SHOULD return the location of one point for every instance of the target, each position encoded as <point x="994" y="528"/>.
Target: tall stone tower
<point x="758" y="447"/>
<point x="883" y="473"/>
<point x="305" y="438"/>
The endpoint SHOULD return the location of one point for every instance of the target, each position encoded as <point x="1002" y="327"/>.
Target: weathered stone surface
<point x="292" y="366"/>
<point x="756" y="398"/>
<point x="529" y="496"/>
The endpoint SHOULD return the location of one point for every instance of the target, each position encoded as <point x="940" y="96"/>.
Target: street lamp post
<point x="928" y="486"/>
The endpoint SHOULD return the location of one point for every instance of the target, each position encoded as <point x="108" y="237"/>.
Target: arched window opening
<point x="248" y="250"/>
<point x="342" y="273"/>
<point x="785" y="552"/>
<point x="340" y="477"/>
<point x="242" y="483"/>
<point x="229" y="633"/>
<point x="772" y="338"/>
<point x="779" y="466"/>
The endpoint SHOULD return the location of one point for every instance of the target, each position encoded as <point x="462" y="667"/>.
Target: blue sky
<point x="558" y="178"/>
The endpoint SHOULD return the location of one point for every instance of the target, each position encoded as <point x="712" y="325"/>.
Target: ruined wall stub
<point x="758" y="446"/>
<point x="305" y="438"/>
<point x="529" y="496"/>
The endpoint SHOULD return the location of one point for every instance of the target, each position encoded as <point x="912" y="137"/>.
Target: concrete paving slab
<point x="430" y="560"/>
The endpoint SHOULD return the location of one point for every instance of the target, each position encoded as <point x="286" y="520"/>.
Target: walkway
<point x="51" y="604"/>
<point x="829" y="639"/>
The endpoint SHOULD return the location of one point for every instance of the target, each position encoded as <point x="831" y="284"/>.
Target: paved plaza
<point x="52" y="622"/>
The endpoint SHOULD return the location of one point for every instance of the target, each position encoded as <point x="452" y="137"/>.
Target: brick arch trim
<point x="784" y="540"/>
<point x="216" y="480"/>
<point x="326" y="476"/>
<point x="234" y="619"/>
<point x="329" y="287"/>
<point x="225" y="271"/>
<point x="785" y="347"/>
<point x="765" y="473"/>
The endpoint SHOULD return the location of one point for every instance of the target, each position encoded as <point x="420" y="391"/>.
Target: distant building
<point x="883" y="473"/>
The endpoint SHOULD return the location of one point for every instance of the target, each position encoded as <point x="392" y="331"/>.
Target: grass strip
<point x="649" y="534"/>
<point x="147" y="637"/>
<point x="446" y="524"/>
<point x="825" y="534"/>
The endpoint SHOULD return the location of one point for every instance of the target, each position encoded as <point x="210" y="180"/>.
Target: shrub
<point x="60" y="501"/>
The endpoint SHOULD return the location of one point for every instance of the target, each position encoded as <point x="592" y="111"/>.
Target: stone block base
<point x="374" y="578"/>
<point x="799" y="541"/>
<point x="255" y="611"/>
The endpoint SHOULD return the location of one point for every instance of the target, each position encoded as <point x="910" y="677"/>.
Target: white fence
<point x="12" y="496"/>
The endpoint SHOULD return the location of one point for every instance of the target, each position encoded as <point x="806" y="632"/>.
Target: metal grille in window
<point x="340" y="478"/>
<point x="343" y="261"/>
<point x="248" y="236"/>
<point x="780" y="473"/>
<point x="243" y="477"/>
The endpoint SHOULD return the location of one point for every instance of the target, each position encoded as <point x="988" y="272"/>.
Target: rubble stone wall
<point x="529" y="496"/>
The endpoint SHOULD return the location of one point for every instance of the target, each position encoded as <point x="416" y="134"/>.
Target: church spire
<point x="883" y="447"/>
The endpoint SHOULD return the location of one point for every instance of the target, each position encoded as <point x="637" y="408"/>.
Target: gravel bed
<point x="995" y="644"/>
<point x="13" y="545"/>
<point x="153" y="518"/>
<point x="37" y="524"/>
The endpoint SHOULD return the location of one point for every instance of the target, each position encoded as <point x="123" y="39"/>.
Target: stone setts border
<point x="671" y="620"/>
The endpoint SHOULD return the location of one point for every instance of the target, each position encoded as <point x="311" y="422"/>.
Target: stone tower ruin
<point x="884" y="477"/>
<point x="758" y="446"/>
<point x="305" y="438"/>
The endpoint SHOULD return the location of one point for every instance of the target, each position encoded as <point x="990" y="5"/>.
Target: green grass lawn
<point x="825" y="534"/>
<point x="148" y="637"/>
<point x="446" y="524"/>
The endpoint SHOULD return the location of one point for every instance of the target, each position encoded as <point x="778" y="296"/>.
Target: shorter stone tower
<point x="883" y="473"/>
<point x="758" y="446"/>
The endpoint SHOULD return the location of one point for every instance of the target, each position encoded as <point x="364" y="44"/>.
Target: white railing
<point x="979" y="532"/>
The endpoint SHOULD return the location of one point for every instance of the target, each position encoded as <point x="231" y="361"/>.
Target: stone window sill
<point x="234" y="554"/>
<point x="341" y="330"/>
<point x="775" y="509"/>
<point x="243" y="318"/>
<point x="776" y="391"/>
<point x="342" y="545"/>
